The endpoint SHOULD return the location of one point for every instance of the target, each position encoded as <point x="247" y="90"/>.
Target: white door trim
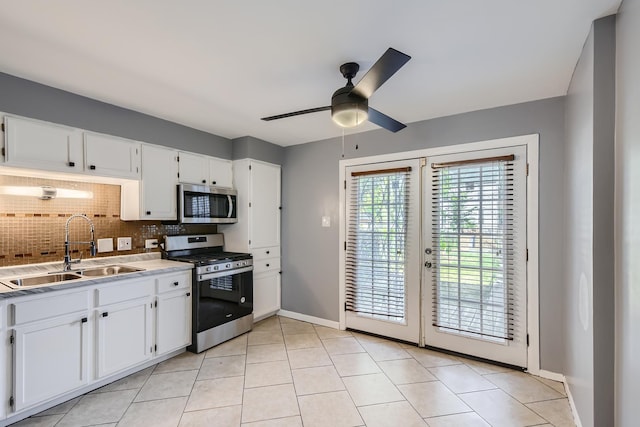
<point x="531" y="141"/>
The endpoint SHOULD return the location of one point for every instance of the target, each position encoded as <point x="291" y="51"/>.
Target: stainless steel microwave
<point x="202" y="204"/>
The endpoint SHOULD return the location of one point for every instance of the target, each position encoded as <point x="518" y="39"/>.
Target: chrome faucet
<point x="67" y="244"/>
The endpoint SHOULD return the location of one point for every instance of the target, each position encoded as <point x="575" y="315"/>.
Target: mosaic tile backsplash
<point x="33" y="230"/>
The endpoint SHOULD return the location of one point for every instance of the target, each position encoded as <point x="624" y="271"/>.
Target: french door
<point x="474" y="254"/>
<point x="382" y="266"/>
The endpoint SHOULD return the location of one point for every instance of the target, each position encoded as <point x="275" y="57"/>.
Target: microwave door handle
<point x="230" y="199"/>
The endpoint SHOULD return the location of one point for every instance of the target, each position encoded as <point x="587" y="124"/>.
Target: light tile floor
<point x="290" y="373"/>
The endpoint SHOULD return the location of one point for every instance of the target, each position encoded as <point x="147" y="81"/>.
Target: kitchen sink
<point x="42" y="280"/>
<point x="109" y="270"/>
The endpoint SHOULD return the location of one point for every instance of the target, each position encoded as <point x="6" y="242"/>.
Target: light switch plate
<point x="326" y="221"/>
<point x="150" y="243"/>
<point x="105" y="245"/>
<point x="124" y="243"/>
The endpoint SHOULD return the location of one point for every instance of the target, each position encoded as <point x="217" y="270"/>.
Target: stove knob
<point x="228" y="266"/>
<point x="208" y="269"/>
<point x="215" y="268"/>
<point x="242" y="300"/>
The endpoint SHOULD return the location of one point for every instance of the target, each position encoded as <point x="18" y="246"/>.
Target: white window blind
<point x="473" y="239"/>
<point x="376" y="243"/>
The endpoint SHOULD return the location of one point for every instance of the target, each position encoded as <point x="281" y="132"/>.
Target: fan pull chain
<point x="342" y="142"/>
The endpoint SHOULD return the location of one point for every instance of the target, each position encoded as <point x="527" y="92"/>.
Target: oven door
<point x="223" y="297"/>
<point x="200" y="204"/>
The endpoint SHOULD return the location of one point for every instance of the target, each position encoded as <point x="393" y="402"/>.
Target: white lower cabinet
<point x="173" y="313"/>
<point x="50" y="342"/>
<point x="123" y="335"/>
<point x="67" y="340"/>
<point x="266" y="294"/>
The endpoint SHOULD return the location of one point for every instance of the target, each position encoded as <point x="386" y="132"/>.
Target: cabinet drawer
<point x="268" y="264"/>
<point x="173" y="282"/>
<point x="270" y="252"/>
<point x="49" y="306"/>
<point x="124" y="292"/>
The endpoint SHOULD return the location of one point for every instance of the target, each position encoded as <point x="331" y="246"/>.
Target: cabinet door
<point x="111" y="156"/>
<point x="266" y="294"/>
<point x="159" y="180"/>
<point x="173" y="325"/>
<point x="220" y="172"/>
<point x="194" y="168"/>
<point x="264" y="213"/>
<point x="123" y="335"/>
<point x="50" y="358"/>
<point x="40" y="145"/>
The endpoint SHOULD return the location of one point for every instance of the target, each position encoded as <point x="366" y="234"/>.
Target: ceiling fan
<point x="350" y="104"/>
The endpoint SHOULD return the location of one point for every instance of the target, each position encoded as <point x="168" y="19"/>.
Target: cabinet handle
<point x="267" y="265"/>
<point x="105" y="314"/>
<point x="148" y="212"/>
<point x="176" y="283"/>
<point x="213" y="183"/>
<point x="188" y="294"/>
<point x="204" y="181"/>
<point x="92" y="167"/>
<point x="71" y="164"/>
<point x="84" y="320"/>
<point x="267" y="252"/>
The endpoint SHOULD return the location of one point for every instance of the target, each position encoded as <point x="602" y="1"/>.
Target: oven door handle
<point x="208" y="276"/>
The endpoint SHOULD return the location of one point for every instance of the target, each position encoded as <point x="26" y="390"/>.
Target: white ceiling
<point x="220" y="65"/>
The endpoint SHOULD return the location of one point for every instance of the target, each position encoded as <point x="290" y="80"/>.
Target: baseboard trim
<point x="310" y="319"/>
<point x="561" y="378"/>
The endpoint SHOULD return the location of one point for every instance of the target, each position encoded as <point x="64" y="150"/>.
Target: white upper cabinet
<point x="264" y="210"/>
<point x="41" y="145"/>
<point x="107" y="155"/>
<point x="194" y="168"/>
<point x="204" y="170"/>
<point x="154" y="196"/>
<point x="220" y="172"/>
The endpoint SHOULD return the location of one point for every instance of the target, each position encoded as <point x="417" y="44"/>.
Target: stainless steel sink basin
<point x="43" y="279"/>
<point x="108" y="270"/>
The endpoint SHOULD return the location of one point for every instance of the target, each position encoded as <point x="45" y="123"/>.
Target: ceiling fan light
<point x="349" y="115"/>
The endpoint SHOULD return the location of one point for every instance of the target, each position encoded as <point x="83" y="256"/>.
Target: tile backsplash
<point x="33" y="230"/>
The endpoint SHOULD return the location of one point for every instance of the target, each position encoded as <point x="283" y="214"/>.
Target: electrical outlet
<point x="124" y="243"/>
<point x="150" y="243"/>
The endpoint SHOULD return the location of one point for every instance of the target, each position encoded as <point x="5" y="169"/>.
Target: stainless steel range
<point x="222" y="288"/>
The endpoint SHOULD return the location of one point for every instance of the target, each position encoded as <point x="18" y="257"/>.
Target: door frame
<point x="531" y="141"/>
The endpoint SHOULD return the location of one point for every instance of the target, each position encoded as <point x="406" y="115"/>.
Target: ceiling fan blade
<point x="385" y="121"/>
<point x="390" y="62"/>
<point x="296" y="113"/>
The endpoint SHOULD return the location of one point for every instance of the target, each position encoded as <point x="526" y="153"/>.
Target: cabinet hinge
<point x="345" y="306"/>
<point x="527" y="340"/>
<point x="345" y="245"/>
<point x="11" y="401"/>
<point x="249" y="204"/>
<point x="249" y="167"/>
<point x="155" y="348"/>
<point x="12" y="339"/>
<point x="527" y="254"/>
<point x="2" y="127"/>
<point x="178" y="159"/>
<point x="2" y="151"/>
<point x="345" y="184"/>
<point x="527" y="169"/>
<point x="155" y="304"/>
<point x="249" y="241"/>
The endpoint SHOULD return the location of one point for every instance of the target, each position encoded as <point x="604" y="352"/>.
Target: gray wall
<point x="249" y="147"/>
<point x="589" y="228"/>
<point x="310" y="191"/>
<point x="26" y="98"/>
<point x="627" y="245"/>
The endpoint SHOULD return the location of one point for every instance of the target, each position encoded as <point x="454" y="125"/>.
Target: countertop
<point x="150" y="262"/>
